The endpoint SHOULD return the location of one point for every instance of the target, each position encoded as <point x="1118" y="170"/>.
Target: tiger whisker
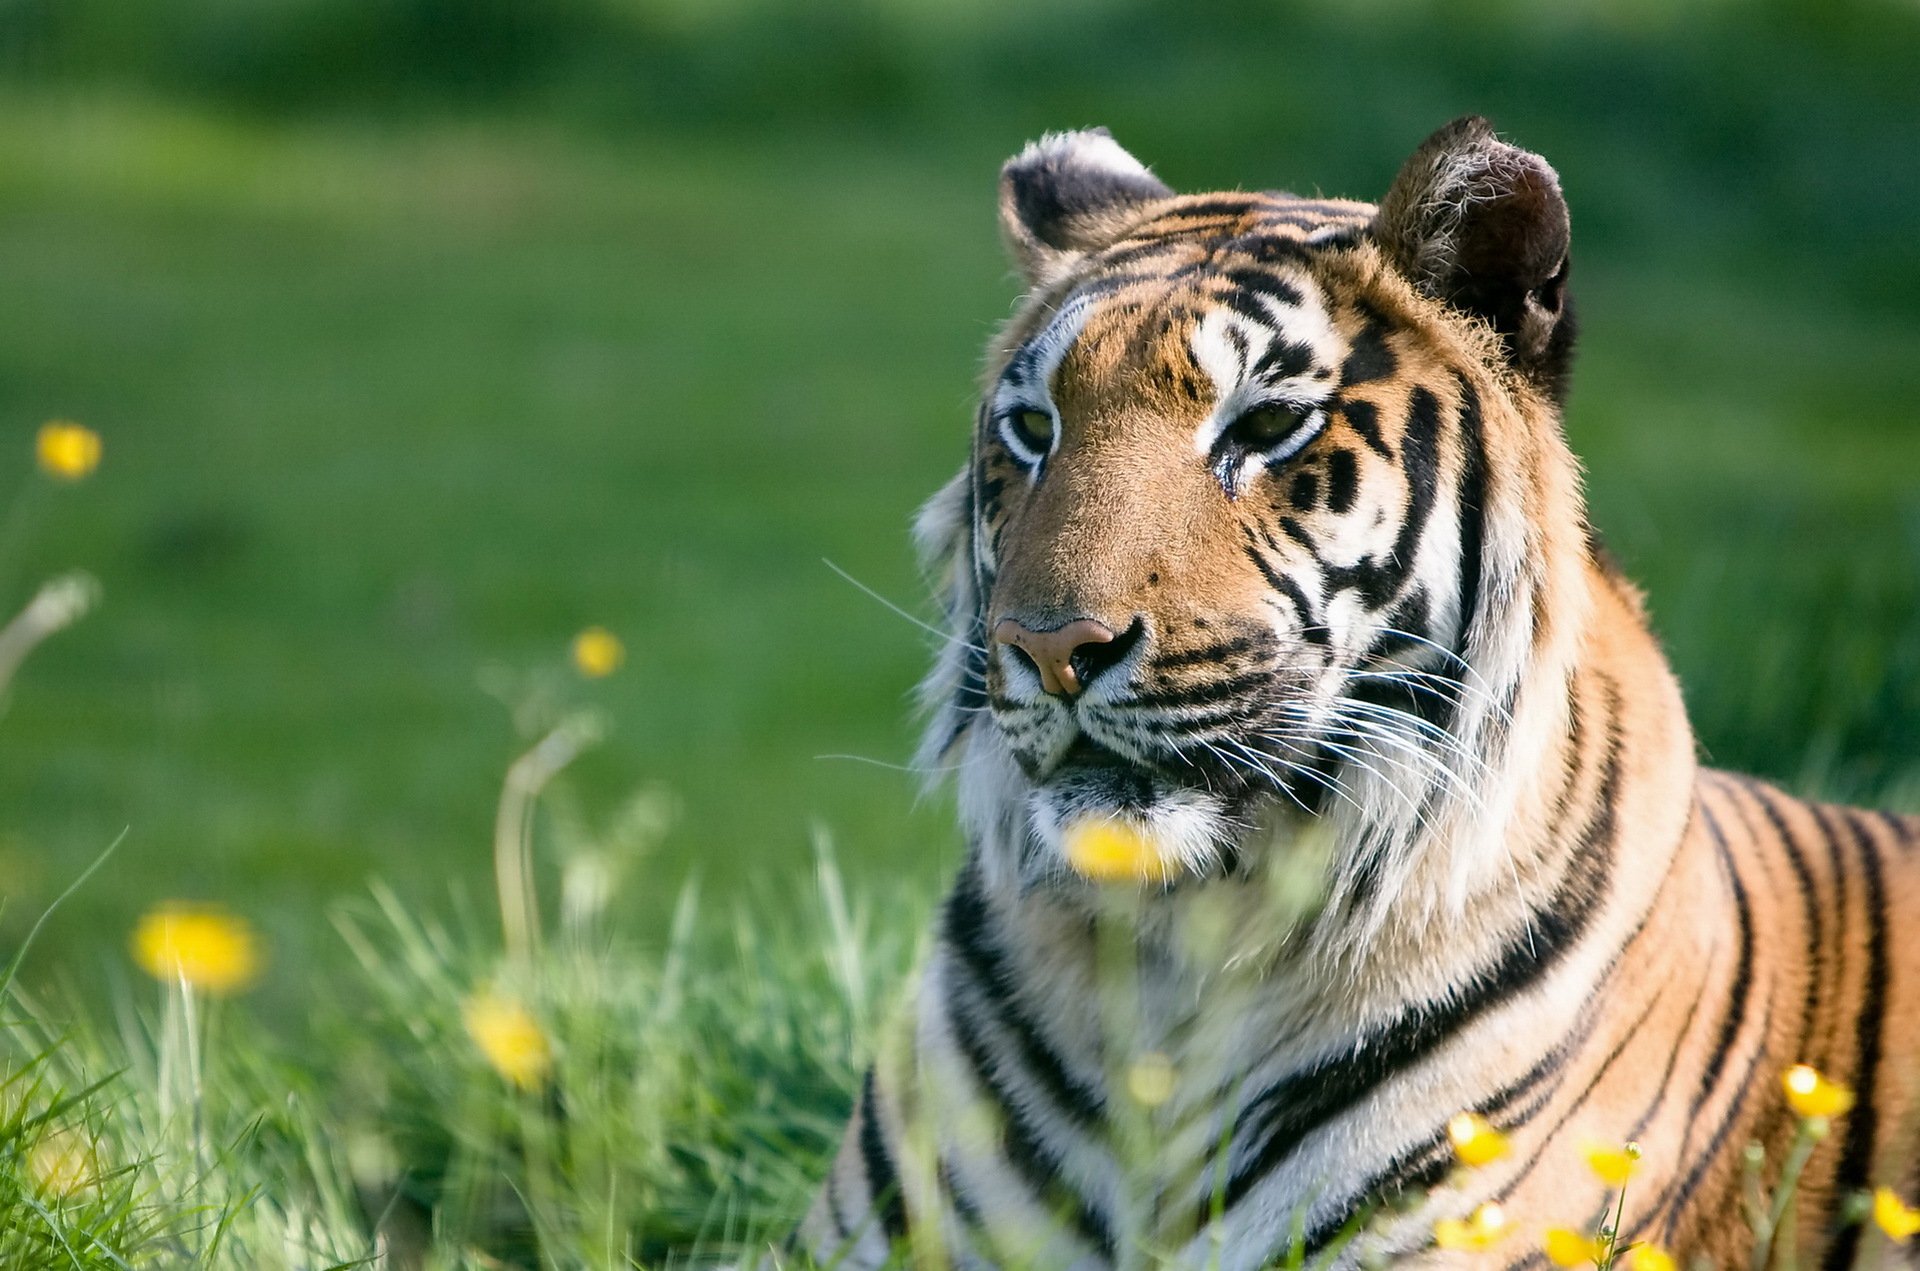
<point x="1414" y="725"/>
<point x="1422" y="762"/>
<point x="1405" y="723"/>
<point x="901" y="767"/>
<point x="1358" y="759"/>
<point x="1332" y="785"/>
<point x="1415" y="680"/>
<point x="947" y="636"/>
<point x="1257" y="769"/>
<point x="1360" y="756"/>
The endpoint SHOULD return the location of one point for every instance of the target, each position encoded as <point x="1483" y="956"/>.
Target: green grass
<point x="388" y="407"/>
<point x="359" y="452"/>
<point x="692" y="1088"/>
<point x="398" y="394"/>
<point x="404" y="382"/>
<point x="661" y="1102"/>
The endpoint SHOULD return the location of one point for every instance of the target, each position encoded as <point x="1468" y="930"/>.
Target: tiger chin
<point x="1270" y="563"/>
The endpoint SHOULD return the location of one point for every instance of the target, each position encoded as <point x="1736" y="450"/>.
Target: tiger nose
<point x="1066" y="657"/>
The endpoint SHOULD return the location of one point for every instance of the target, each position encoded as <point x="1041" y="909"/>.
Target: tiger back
<point x="1322" y="782"/>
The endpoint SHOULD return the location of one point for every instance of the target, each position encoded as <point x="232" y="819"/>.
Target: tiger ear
<point x="1067" y="194"/>
<point x="1483" y="226"/>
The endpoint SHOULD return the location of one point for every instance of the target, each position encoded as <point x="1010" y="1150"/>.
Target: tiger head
<point x="1268" y="517"/>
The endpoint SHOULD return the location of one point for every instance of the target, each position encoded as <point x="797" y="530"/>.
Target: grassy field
<point x="415" y="359"/>
<point x="399" y="396"/>
<point x="383" y="412"/>
<point x="391" y="412"/>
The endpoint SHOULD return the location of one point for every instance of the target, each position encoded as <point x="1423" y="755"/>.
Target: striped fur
<point x="1380" y="651"/>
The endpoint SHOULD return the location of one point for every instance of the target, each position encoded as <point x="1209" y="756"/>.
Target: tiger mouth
<point x="1187" y="830"/>
<point x="1095" y="774"/>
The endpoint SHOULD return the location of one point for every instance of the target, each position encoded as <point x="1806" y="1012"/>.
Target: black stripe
<point x="1742" y="987"/>
<point x="1298" y="533"/>
<point x="1472" y="507"/>
<point x="841" y="1229"/>
<point x="1266" y="283"/>
<point x="1660" y="1093"/>
<point x="883" y="1182"/>
<point x="1226" y="688"/>
<point x="1038" y="1164"/>
<point x="1310" y="629"/>
<point x="1364" y="419"/>
<point x="1905" y="832"/>
<point x="1420" y="461"/>
<point x="1856" y="1156"/>
<point x="967" y="928"/>
<point x="1656" y="1208"/>
<point x="1343" y="480"/>
<point x="1368" y="357"/>
<point x="965" y="1205"/>
<point x="1810" y="902"/>
<point x="1673" y="1062"/>
<point x="1212" y="725"/>
<point x="1211" y="205"/>
<point x="1422" y="1166"/>
<point x="1551" y="1140"/>
<point x="1219" y="652"/>
<point x="1730" y="1025"/>
<point x="1674" y="1200"/>
<point x="1282" y="1116"/>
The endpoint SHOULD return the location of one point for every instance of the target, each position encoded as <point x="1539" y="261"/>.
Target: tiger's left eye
<point x="1031" y="431"/>
<point x="1265" y="426"/>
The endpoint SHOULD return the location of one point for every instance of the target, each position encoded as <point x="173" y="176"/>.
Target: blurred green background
<point x="423" y="333"/>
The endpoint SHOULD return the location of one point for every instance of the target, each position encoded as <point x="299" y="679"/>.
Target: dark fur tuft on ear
<point x="1483" y="226"/>
<point x="1070" y="193"/>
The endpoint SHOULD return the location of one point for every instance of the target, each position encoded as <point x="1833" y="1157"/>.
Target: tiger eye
<point x="1032" y="429"/>
<point x="1265" y="426"/>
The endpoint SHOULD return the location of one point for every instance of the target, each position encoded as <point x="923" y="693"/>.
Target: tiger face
<point x="1220" y="552"/>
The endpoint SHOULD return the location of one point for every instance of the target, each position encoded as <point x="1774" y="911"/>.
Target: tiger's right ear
<point x="1483" y="226"/>
<point x="1067" y="194"/>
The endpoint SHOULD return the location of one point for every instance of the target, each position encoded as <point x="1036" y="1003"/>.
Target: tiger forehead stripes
<point x="1271" y="595"/>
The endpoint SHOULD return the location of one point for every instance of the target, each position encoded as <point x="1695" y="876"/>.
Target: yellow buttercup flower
<point x="1475" y="1141"/>
<point x="1612" y="1165"/>
<point x="1900" y="1221"/>
<point x="1566" y="1247"/>
<point x="66" y="450"/>
<point x="1478" y="1230"/>
<point x="1811" y="1095"/>
<point x="199" y="945"/>
<point x="1650" y="1258"/>
<point x="509" y="1038"/>
<point x="598" y="653"/>
<point x="1113" y="851"/>
<point x="1150" y="1079"/>
<point x="61" y="1163"/>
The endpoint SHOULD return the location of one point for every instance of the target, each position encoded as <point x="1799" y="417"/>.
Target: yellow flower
<point x="67" y="450"/>
<point x="1478" y="1230"/>
<point x="1812" y="1095"/>
<point x="1612" y="1165"/>
<point x="598" y="653"/>
<point x="1475" y="1141"/>
<point x="1650" y="1258"/>
<point x="509" y="1037"/>
<point x="203" y="947"/>
<point x="1150" y="1080"/>
<point x="1112" y="851"/>
<point x="1893" y="1216"/>
<point x="1566" y="1247"/>
<point x="61" y="1163"/>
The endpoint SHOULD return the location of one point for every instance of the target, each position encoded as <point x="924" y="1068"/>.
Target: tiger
<point x="1271" y="556"/>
